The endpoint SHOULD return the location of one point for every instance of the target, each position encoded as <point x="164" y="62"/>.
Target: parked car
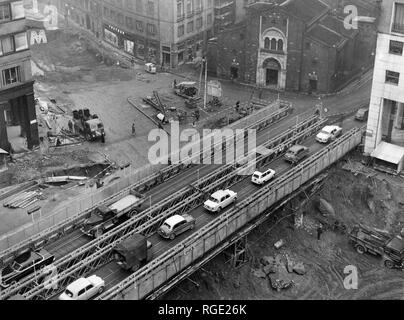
<point x="176" y="225"/>
<point x="262" y="177"/>
<point x="362" y="114"/>
<point x="328" y="134"/>
<point x="296" y="153"/>
<point x="24" y="265"/>
<point x="219" y="200"/>
<point x="83" y="288"/>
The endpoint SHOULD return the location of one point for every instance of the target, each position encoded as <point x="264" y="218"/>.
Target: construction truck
<point x="106" y="217"/>
<point x="90" y="126"/>
<point x="390" y="248"/>
<point x="132" y="253"/>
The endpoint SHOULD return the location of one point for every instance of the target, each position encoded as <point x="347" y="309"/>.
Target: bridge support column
<point x="240" y="256"/>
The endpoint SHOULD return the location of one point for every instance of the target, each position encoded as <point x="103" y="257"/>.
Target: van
<point x="362" y="114"/>
<point x="262" y="177"/>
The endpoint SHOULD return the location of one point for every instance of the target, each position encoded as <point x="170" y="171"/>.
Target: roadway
<point x="113" y="274"/>
<point x="76" y="239"/>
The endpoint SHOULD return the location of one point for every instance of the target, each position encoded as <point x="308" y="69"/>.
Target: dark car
<point x="296" y="154"/>
<point x="362" y="114"/>
<point x="24" y="265"/>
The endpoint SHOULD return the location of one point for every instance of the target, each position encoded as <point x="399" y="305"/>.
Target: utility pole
<point x="206" y="83"/>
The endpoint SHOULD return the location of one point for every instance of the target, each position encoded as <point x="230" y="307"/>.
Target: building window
<point x="5" y="14"/>
<point x="198" y="5"/>
<point x="106" y="12"/>
<point x="180" y="9"/>
<point x="209" y="19"/>
<point x="17" y="10"/>
<point x="199" y="23"/>
<point x="139" y="6"/>
<point x="120" y="18"/>
<point x="6" y="45"/>
<point x="151" y="28"/>
<point x="273" y="44"/>
<point x="181" y="30"/>
<point x="280" y="45"/>
<point x="210" y="4"/>
<point x="398" y="22"/>
<point x="11" y="76"/>
<point x="140" y="50"/>
<point x="396" y="47"/>
<point x="308" y="45"/>
<point x="190" y="27"/>
<point x="129" y="22"/>
<point x="128" y="46"/>
<point x="189" y="7"/>
<point x="392" y="77"/>
<point x="267" y="43"/>
<point x="20" y="41"/>
<point x="181" y="57"/>
<point x="139" y="26"/>
<point x="150" y="8"/>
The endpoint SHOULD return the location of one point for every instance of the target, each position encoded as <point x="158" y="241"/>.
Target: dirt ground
<point x="375" y="202"/>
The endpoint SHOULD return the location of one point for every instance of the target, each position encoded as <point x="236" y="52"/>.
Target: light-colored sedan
<point x="220" y="200"/>
<point x="176" y="225"/>
<point x="262" y="177"/>
<point x="83" y="288"/>
<point x="328" y="134"/>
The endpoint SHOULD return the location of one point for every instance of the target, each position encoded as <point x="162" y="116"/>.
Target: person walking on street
<point x="319" y="231"/>
<point x="133" y="129"/>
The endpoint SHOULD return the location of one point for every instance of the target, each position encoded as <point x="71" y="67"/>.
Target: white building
<point x="385" y="129"/>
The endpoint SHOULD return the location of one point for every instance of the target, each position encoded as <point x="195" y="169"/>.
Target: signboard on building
<point x="214" y="88"/>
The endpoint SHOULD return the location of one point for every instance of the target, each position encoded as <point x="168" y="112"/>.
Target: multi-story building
<point x="17" y="103"/>
<point x="225" y="14"/>
<point x="385" y="128"/>
<point x="169" y="32"/>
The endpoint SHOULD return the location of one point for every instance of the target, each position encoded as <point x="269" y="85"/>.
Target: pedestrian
<point x="70" y="124"/>
<point x="132" y="61"/>
<point x="319" y="231"/>
<point x="103" y="137"/>
<point x="133" y="129"/>
<point x="237" y="106"/>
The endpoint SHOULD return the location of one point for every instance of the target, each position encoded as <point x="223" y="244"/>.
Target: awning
<point x="389" y="153"/>
<point x="3" y="151"/>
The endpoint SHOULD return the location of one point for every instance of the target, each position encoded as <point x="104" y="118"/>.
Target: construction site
<point x="320" y="217"/>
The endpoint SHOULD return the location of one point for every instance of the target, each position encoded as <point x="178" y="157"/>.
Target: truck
<point x="132" y="253"/>
<point x="90" y="126"/>
<point x="390" y="248"/>
<point x="106" y="217"/>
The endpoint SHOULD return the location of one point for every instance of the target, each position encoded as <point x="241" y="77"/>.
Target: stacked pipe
<point x="22" y="200"/>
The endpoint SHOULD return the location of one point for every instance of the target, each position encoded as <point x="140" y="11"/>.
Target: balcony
<point x="180" y="18"/>
<point x="265" y="50"/>
<point x="398" y="27"/>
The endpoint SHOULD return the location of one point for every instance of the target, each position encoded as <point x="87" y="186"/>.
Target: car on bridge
<point x="262" y="177"/>
<point x="219" y="200"/>
<point x="24" y="265"/>
<point x="83" y="288"/>
<point x="328" y="134"/>
<point x="296" y="153"/>
<point x="176" y="225"/>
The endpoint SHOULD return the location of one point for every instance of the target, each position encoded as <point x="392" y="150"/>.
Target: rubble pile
<point x="280" y="270"/>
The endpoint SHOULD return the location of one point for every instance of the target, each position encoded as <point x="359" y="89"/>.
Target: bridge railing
<point x="189" y="251"/>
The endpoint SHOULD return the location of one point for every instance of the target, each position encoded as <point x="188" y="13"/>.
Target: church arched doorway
<point x="272" y="72"/>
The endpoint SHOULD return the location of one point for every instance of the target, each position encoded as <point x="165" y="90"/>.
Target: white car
<point x="219" y="200"/>
<point x="328" y="134"/>
<point x="83" y="288"/>
<point x="176" y="225"/>
<point x="262" y="177"/>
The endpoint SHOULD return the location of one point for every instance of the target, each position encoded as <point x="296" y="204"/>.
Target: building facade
<point x="165" y="32"/>
<point x="385" y="128"/>
<point x="294" y="45"/>
<point x="17" y="103"/>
